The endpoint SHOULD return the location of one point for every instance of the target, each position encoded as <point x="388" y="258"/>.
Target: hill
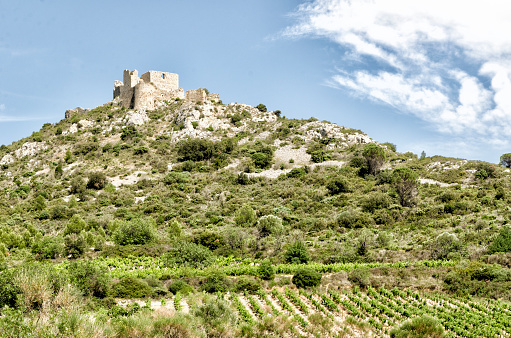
<point x="192" y="194"/>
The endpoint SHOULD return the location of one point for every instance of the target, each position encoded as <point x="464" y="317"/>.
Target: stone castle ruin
<point x="150" y="90"/>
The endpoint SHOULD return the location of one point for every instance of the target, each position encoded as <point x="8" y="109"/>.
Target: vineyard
<point x="142" y="267"/>
<point x="373" y="312"/>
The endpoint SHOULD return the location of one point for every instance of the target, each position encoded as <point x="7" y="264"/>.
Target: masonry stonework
<point x="153" y="88"/>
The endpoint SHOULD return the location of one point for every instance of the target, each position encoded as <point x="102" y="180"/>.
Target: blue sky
<point x="425" y="75"/>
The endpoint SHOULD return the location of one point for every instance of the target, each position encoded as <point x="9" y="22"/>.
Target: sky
<point x="431" y="76"/>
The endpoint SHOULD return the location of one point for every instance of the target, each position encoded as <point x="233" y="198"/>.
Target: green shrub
<point x="375" y="200"/>
<point x="215" y="282"/>
<point x="75" y="245"/>
<point x="360" y="277"/>
<point x="502" y="242"/>
<point x="245" y="216"/>
<point x="195" y="150"/>
<point x="188" y="254"/>
<point x="209" y="239"/>
<point x="247" y="284"/>
<point x="97" y="180"/>
<point x="9" y="290"/>
<point x="296" y="253"/>
<point x="181" y="286"/>
<point x="447" y="246"/>
<point x="215" y="312"/>
<point x="75" y="225"/>
<point x="136" y="231"/>
<point x="261" y="107"/>
<point x="89" y="278"/>
<point x="140" y="150"/>
<point x="129" y="133"/>
<point x="296" y="172"/>
<point x="266" y="270"/>
<point x="420" y="327"/>
<point x="354" y="219"/>
<point x="337" y="185"/>
<point x="320" y="155"/>
<point x="176" y="178"/>
<point x="49" y="247"/>
<point x="269" y="225"/>
<point x="262" y="160"/>
<point x="131" y="287"/>
<point x="306" y="277"/>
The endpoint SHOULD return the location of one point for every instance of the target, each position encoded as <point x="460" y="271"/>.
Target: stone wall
<point x="148" y="91"/>
<point x="196" y="95"/>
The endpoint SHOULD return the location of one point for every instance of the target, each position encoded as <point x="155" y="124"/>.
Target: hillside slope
<point x="196" y="188"/>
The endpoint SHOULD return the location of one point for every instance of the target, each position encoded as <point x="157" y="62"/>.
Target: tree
<point x="97" y="181"/>
<point x="261" y="107"/>
<point x="306" y="277"/>
<point x="404" y="181"/>
<point x="505" y="160"/>
<point x="375" y="157"/>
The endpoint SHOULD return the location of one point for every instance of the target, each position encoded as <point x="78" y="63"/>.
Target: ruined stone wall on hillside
<point x="148" y="91"/>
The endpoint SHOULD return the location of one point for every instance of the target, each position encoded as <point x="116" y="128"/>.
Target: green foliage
<point x="195" y="150"/>
<point x="176" y="178"/>
<point x="354" y="219"/>
<point x="337" y="185"/>
<point x="424" y="326"/>
<point x="262" y="160"/>
<point x="188" y="254"/>
<point x="209" y="239"/>
<point x="9" y="290"/>
<point x="130" y="287"/>
<point x="306" y="277"/>
<point x="375" y="157"/>
<point x="181" y="286"/>
<point x="215" y="282"/>
<point x="75" y="225"/>
<point x="247" y="284"/>
<point x="447" y="246"/>
<point x="89" y="278"/>
<point x="502" y="243"/>
<point x="375" y="200"/>
<point x="245" y="216"/>
<point x="360" y="277"/>
<point x="129" y="133"/>
<point x="75" y="245"/>
<point x="261" y="107"/>
<point x="505" y="160"/>
<point x="269" y="225"/>
<point x="48" y="247"/>
<point x="320" y="155"/>
<point x="404" y="180"/>
<point x="136" y="231"/>
<point x="296" y="253"/>
<point x="97" y="180"/>
<point x="266" y="270"/>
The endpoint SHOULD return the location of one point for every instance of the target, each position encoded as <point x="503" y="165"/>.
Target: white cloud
<point x="446" y="62"/>
<point x="2" y="107"/>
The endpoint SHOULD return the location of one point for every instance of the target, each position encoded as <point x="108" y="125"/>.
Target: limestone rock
<point x="7" y="159"/>
<point x="78" y="110"/>
<point x="135" y="118"/>
<point x="30" y="149"/>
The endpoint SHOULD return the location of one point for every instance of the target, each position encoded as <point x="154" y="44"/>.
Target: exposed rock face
<point x="7" y="159"/>
<point x="30" y="149"/>
<point x="135" y="118"/>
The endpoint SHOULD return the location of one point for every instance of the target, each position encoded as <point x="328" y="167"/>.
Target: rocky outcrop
<point x="30" y="149"/>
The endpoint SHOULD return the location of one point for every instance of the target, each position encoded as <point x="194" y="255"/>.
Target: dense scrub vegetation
<point x="114" y="211"/>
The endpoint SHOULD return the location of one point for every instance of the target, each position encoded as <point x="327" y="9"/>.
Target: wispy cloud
<point x="446" y="62"/>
